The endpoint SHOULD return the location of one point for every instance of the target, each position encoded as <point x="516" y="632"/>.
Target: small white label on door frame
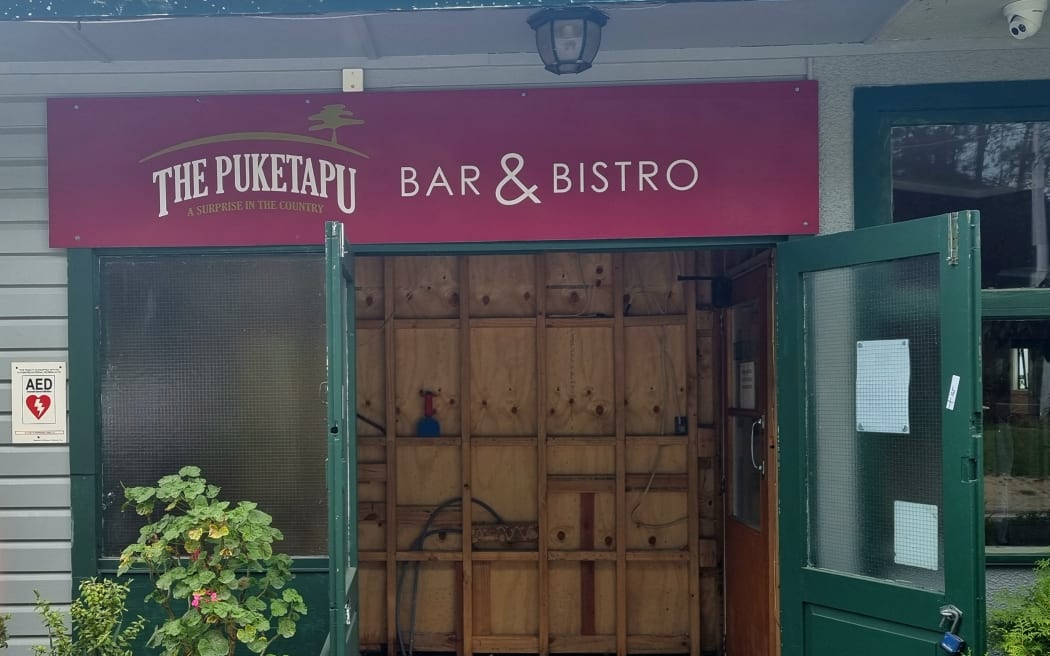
<point x="953" y="391"/>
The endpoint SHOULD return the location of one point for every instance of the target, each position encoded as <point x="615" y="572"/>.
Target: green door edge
<point x="341" y="466"/>
<point x="960" y="454"/>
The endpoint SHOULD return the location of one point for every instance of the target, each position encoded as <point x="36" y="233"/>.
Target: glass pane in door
<point x="874" y="414"/>
<point x="747" y="452"/>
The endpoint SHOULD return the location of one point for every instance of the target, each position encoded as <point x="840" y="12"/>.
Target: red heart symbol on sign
<point x="38" y="405"/>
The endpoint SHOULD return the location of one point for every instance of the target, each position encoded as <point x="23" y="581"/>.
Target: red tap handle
<point x="428" y="404"/>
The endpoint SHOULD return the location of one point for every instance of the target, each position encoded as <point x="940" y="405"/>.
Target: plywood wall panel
<point x="371" y="526"/>
<point x="503" y="375"/>
<point x="566" y="531"/>
<point x="426" y="287"/>
<point x="580" y="381"/>
<point x="645" y="458"/>
<point x="565" y="599"/>
<point x="651" y="285"/>
<point x="427" y="359"/>
<point x="579" y="284"/>
<point x="657" y="520"/>
<point x="505" y="478"/>
<point x="581" y="459"/>
<point x="655" y="378"/>
<point x="372" y="596"/>
<point x="513" y="599"/>
<point x="503" y="286"/>
<point x="657" y="598"/>
<point x="371" y="381"/>
<point x="368" y="287"/>
<point x="427" y="475"/>
<point x="558" y="403"/>
<point x="435" y="598"/>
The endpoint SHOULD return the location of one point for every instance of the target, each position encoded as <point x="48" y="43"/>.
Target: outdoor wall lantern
<point x="568" y="38"/>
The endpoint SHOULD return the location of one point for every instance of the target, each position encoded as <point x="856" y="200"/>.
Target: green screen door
<point x="879" y="390"/>
<point x="341" y="468"/>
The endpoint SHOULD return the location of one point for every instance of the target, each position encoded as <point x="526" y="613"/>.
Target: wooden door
<point x="748" y="457"/>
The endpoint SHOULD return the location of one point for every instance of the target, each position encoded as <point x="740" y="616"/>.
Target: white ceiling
<point x="638" y="26"/>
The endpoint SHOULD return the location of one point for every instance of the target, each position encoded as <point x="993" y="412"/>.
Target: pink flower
<point x="214" y="597"/>
<point x="196" y="600"/>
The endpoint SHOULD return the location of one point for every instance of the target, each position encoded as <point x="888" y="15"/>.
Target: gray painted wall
<point x="34" y="480"/>
<point x="34" y="488"/>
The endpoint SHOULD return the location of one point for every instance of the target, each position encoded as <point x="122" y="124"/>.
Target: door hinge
<point x="953" y="239"/>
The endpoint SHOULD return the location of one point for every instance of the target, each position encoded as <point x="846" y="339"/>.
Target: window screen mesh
<point x="875" y="497"/>
<point x="216" y="361"/>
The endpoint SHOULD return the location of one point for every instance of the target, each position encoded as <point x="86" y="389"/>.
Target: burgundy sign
<point x="435" y="167"/>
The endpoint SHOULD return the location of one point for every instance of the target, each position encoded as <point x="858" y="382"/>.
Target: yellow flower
<point x="195" y="533"/>
<point x="216" y="531"/>
<point x="226" y="552"/>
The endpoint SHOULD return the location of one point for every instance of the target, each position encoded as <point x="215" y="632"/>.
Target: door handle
<point x="756" y="425"/>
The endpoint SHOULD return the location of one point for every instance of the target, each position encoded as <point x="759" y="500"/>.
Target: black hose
<point x="416" y="545"/>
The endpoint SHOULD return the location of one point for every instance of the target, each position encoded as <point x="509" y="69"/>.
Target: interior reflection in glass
<point x="999" y="169"/>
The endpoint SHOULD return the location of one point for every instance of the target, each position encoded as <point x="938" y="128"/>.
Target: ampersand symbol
<point x="512" y="176"/>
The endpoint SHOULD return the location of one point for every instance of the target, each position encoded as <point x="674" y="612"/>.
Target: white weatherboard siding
<point x="35" y="525"/>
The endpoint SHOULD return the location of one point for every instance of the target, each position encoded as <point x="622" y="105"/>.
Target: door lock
<point x="951" y="642"/>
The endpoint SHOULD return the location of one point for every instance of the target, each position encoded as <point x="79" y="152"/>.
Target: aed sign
<point x="38" y="403"/>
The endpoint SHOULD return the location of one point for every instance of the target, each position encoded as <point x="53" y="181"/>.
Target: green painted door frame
<point x="830" y="612"/>
<point x="341" y="468"/>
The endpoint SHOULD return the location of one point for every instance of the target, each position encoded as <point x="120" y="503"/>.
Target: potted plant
<point x="213" y="568"/>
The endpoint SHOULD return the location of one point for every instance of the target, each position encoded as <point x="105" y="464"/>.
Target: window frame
<point x="85" y="440"/>
<point x="877" y="110"/>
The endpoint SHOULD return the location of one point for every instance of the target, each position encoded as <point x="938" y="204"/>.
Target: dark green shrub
<point x="1021" y="626"/>
<point x="97" y="617"/>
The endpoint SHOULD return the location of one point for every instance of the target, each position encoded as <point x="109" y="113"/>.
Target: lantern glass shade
<point x="568" y="39"/>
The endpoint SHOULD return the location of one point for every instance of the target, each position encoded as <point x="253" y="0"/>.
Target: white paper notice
<point x="915" y="534"/>
<point x="746" y="381"/>
<point x="883" y="381"/>
<point x="38" y="402"/>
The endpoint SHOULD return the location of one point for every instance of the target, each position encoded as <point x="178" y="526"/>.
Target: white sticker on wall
<point x="38" y="402"/>
<point x="953" y="391"/>
<point x="883" y="382"/>
<point x="915" y="534"/>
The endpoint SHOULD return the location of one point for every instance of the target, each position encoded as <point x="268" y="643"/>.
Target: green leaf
<point x="278" y="608"/>
<point x="286" y="627"/>
<point x="212" y="643"/>
<point x="246" y="634"/>
<point x="256" y="604"/>
<point x="190" y="471"/>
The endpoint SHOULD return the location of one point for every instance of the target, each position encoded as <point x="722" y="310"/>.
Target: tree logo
<point x="331" y="117"/>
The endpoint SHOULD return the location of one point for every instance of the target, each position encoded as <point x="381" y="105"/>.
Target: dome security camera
<point x="1024" y="17"/>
